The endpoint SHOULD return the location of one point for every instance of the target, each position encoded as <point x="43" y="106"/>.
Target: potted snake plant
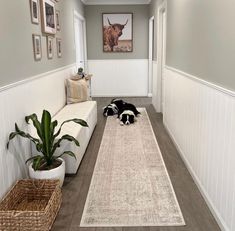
<point x="46" y="164"/>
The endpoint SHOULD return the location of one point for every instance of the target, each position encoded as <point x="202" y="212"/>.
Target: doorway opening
<point x="151" y="56"/>
<point x="80" y="41"/>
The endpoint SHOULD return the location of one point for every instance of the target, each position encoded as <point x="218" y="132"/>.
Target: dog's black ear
<point x="104" y="107"/>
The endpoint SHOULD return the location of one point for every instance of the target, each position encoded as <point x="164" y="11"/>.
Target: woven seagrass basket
<point x="30" y="205"/>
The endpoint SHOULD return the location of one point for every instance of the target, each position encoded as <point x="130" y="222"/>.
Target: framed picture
<point x="37" y="47"/>
<point x="57" y="20"/>
<point x="34" y="11"/>
<point x="117" y="32"/>
<point x="49" y="47"/>
<point x="59" y="52"/>
<point x="48" y="16"/>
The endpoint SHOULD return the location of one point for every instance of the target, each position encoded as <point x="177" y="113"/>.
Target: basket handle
<point x="40" y="186"/>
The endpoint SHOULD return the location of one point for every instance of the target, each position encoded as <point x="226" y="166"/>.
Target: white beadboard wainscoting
<point x="119" y="77"/>
<point x="46" y="91"/>
<point x="200" y="118"/>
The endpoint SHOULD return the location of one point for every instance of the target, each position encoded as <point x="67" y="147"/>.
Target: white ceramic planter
<point x="56" y="173"/>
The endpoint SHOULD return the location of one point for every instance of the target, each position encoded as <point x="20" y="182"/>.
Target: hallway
<point x="195" y="211"/>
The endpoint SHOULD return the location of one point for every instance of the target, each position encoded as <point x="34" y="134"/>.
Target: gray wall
<point x="93" y="16"/>
<point x="201" y="39"/>
<point x="16" y="56"/>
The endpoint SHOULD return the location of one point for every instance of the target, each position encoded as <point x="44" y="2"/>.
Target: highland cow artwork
<point x="117" y="32"/>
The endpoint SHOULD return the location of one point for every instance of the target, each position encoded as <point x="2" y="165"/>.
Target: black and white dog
<point x="127" y="114"/>
<point x="113" y="108"/>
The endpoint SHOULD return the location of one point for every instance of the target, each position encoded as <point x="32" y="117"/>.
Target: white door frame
<point x="81" y="18"/>
<point x="150" y="67"/>
<point x="161" y="28"/>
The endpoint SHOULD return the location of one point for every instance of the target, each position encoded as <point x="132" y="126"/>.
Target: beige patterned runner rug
<point x="130" y="185"/>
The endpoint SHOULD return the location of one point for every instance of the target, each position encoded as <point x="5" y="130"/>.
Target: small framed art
<point x="49" y="47"/>
<point x="48" y="16"/>
<point x="59" y="48"/>
<point x="37" y="47"/>
<point x="58" y="20"/>
<point x="34" y="11"/>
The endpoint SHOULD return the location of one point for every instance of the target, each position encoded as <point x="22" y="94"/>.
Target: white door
<point x="80" y="42"/>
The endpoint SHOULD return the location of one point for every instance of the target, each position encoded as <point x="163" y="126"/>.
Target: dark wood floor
<point x="195" y="211"/>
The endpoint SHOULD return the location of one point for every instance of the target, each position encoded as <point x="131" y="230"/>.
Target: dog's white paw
<point x="121" y="123"/>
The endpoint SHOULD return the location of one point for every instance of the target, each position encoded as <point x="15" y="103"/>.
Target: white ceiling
<point x="115" y="2"/>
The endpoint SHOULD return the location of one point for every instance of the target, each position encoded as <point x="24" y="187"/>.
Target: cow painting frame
<point x="117" y="32"/>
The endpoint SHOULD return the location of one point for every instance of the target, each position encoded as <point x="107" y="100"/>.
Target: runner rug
<point x="130" y="185"/>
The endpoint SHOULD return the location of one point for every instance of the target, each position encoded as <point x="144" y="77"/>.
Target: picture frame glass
<point x="117" y="32"/>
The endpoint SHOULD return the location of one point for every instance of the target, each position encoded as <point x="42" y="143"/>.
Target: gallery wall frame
<point x="58" y="20"/>
<point x="37" y="47"/>
<point x="117" y="32"/>
<point x="50" y="47"/>
<point x="59" y="47"/>
<point x="48" y="16"/>
<point x="34" y="10"/>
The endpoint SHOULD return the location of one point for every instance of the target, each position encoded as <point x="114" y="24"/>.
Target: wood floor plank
<point x="195" y="211"/>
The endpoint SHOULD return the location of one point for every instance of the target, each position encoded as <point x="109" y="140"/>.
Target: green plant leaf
<point x="64" y="137"/>
<point x="22" y="134"/>
<point x="46" y="133"/>
<point x="37" y="162"/>
<point x="77" y="121"/>
<point x="32" y="158"/>
<point x="53" y="126"/>
<point x="36" y="123"/>
<point x="67" y="153"/>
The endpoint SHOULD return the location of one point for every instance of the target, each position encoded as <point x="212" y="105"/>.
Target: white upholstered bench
<point x="87" y="111"/>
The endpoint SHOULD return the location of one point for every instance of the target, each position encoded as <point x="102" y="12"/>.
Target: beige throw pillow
<point x="77" y="91"/>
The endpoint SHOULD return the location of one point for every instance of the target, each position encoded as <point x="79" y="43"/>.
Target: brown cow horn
<point x="126" y="22"/>
<point x="109" y="22"/>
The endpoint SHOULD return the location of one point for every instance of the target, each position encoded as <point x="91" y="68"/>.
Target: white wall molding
<point x="116" y="2"/>
<point x="207" y="83"/>
<point x="30" y="79"/>
<point x="119" y="77"/>
<point x="200" y="118"/>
